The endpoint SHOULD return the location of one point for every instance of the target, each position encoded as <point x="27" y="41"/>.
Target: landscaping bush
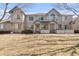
<point x="27" y="31"/>
<point x="5" y="32"/>
<point x="76" y="31"/>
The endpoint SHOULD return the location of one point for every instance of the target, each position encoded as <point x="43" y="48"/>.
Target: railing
<point x="65" y="31"/>
<point x="45" y="31"/>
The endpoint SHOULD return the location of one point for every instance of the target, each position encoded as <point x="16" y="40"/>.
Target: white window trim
<point x="16" y="26"/>
<point x="1" y="26"/>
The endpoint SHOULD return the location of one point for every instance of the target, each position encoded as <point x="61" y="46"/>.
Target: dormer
<point x="17" y="14"/>
<point x="53" y="14"/>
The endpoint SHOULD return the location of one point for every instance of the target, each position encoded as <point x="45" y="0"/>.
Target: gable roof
<point x="54" y="10"/>
<point x="13" y="9"/>
<point x="16" y="8"/>
<point x="65" y="12"/>
<point x="61" y="12"/>
<point x="4" y="21"/>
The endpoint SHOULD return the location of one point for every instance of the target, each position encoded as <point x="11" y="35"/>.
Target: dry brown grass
<point x="39" y="44"/>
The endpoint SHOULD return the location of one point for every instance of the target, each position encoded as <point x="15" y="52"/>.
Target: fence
<point x="65" y="31"/>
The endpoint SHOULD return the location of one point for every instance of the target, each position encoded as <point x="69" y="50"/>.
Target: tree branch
<point x="4" y="13"/>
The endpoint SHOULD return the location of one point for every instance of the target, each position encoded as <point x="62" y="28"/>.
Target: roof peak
<point x="16" y="7"/>
<point x="61" y="12"/>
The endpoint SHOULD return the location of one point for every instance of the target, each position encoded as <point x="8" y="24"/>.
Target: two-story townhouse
<point x="48" y="22"/>
<point x="15" y="22"/>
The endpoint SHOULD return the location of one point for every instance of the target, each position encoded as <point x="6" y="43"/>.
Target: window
<point x="44" y="26"/>
<point x="1" y="26"/>
<point x="59" y="26"/>
<point x="31" y="26"/>
<point x="19" y="26"/>
<point x="65" y="17"/>
<point x="52" y="16"/>
<point x="14" y="16"/>
<point x="18" y="16"/>
<point x="16" y="26"/>
<point x="30" y="18"/>
<point x="65" y="26"/>
<point x="41" y="18"/>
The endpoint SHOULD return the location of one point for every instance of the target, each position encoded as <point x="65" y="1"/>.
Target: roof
<point x="13" y="9"/>
<point x="16" y="8"/>
<point x="4" y="21"/>
<point x="62" y="12"/>
<point x="65" y="12"/>
<point x="54" y="10"/>
<point x="39" y="14"/>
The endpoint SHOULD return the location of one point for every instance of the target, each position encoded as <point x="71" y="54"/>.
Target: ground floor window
<point x="16" y="26"/>
<point x="1" y="26"/>
<point x="44" y="26"/>
<point x="65" y="26"/>
<point x="19" y="26"/>
<point x="60" y="26"/>
<point x="32" y="27"/>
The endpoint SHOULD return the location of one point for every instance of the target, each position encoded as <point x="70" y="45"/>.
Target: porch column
<point x="49" y="27"/>
<point x="34" y="28"/>
<point x="40" y="27"/>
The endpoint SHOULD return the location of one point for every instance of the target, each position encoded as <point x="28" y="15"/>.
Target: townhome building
<point x="51" y="22"/>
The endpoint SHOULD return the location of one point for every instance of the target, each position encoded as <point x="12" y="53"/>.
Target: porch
<point x="45" y="27"/>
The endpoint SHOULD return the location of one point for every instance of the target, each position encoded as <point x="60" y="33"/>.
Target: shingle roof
<point x="62" y="12"/>
<point x="37" y="14"/>
<point x="4" y="21"/>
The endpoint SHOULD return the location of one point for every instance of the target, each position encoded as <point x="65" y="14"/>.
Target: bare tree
<point x="4" y="11"/>
<point x="68" y="7"/>
<point x="22" y="6"/>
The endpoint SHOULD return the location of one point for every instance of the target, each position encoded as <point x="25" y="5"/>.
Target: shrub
<point x="27" y="31"/>
<point x="5" y="32"/>
<point x="76" y="31"/>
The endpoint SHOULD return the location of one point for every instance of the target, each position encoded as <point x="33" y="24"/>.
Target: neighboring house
<point x="75" y="23"/>
<point x="49" y="22"/>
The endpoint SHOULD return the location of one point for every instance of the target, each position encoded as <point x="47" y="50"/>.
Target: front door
<point x="15" y="27"/>
<point x="37" y="28"/>
<point x="52" y="28"/>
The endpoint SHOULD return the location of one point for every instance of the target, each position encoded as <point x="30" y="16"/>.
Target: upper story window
<point x="65" y="17"/>
<point x="18" y="16"/>
<point x="31" y="18"/>
<point x="41" y="18"/>
<point x="52" y="16"/>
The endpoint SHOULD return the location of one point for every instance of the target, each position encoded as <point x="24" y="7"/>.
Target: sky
<point x="38" y="7"/>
